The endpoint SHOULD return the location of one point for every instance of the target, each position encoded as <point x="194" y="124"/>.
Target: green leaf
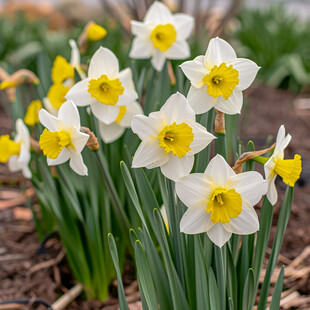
<point x="214" y="296"/>
<point x="201" y="276"/>
<point x="277" y="244"/>
<point x="146" y="283"/>
<point x="276" y="296"/>
<point x="248" y="291"/>
<point x="120" y="289"/>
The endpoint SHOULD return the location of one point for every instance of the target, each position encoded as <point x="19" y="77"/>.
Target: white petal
<point x="77" y="165"/>
<point x="158" y="60"/>
<point x="158" y="13"/>
<point x="140" y="29"/>
<point x="13" y="164"/>
<point x="79" y="139"/>
<point x="79" y="94"/>
<point x="281" y="143"/>
<point x="75" y="60"/>
<point x="201" y="137"/>
<point x="62" y="158"/>
<point x="250" y="185"/>
<point x="200" y="100"/>
<point x="24" y="156"/>
<point x="178" y="50"/>
<point x="144" y="126"/>
<point x="194" y="188"/>
<point x="246" y="223"/>
<point x="184" y="25"/>
<point x="149" y="153"/>
<point x="105" y="113"/>
<point x="110" y="133"/>
<point x="219" y="170"/>
<point x="218" y="235"/>
<point x="103" y="62"/>
<point x="141" y="48"/>
<point x="218" y="51"/>
<point x="26" y="172"/>
<point x="272" y="193"/>
<point x="195" y="221"/>
<point x="48" y="106"/>
<point x="49" y="121"/>
<point x="177" y="109"/>
<point x="195" y="71"/>
<point x="131" y="110"/>
<point x="176" y="167"/>
<point x="247" y="71"/>
<point x="22" y="134"/>
<point x="129" y="94"/>
<point x="69" y="113"/>
<point x="232" y="105"/>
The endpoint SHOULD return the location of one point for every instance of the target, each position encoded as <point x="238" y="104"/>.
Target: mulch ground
<point x="25" y="273"/>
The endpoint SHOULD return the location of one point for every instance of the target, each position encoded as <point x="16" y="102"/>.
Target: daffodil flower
<point x="17" y="152"/>
<point x="106" y="89"/>
<point x="161" y="35"/>
<point x="220" y="202"/>
<point x="96" y="32"/>
<point x="63" y="140"/>
<point x="32" y="113"/>
<point x="170" y="138"/>
<point x="218" y="78"/>
<point x="288" y="169"/>
<point x="112" y="132"/>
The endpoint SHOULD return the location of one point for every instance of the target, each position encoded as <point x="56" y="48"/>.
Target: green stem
<point x="261" y="159"/>
<point x="221" y="271"/>
<point x="124" y="223"/>
<point x="220" y="144"/>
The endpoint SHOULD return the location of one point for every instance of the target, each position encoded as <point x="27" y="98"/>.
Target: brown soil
<point x="266" y="109"/>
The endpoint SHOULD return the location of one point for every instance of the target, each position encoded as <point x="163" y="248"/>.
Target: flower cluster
<point x="219" y="201"/>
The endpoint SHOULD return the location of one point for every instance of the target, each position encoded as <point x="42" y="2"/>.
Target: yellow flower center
<point x="176" y="139"/>
<point x="224" y="204"/>
<point x="32" y="113"/>
<point x="105" y="90"/>
<point x="56" y="95"/>
<point x="61" y="70"/>
<point x="121" y="114"/>
<point x="163" y="36"/>
<point x="8" y="148"/>
<point x="96" y="33"/>
<point x="289" y="169"/>
<point x="52" y="143"/>
<point x="221" y="81"/>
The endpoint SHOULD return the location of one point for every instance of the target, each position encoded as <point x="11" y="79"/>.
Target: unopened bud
<point x="92" y="142"/>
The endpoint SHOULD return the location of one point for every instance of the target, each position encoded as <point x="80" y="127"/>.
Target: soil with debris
<point x="27" y="273"/>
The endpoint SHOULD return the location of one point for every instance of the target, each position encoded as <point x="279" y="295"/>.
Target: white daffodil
<point x="170" y="138"/>
<point x="220" y="202"/>
<point x="288" y="169"/>
<point x="17" y="152"/>
<point x="112" y="132"/>
<point x="62" y="140"/>
<point x="75" y="60"/>
<point x="161" y="35"/>
<point x="106" y="89"/>
<point x="218" y="78"/>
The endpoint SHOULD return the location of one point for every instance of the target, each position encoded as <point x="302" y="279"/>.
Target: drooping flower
<point x="106" y="89"/>
<point x="218" y="78"/>
<point x="17" y="152"/>
<point x="288" y="169"/>
<point x="112" y="132"/>
<point x="220" y="202"/>
<point x="62" y="138"/>
<point x="32" y="113"/>
<point x="170" y="138"/>
<point x="161" y="35"/>
<point x="56" y="95"/>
